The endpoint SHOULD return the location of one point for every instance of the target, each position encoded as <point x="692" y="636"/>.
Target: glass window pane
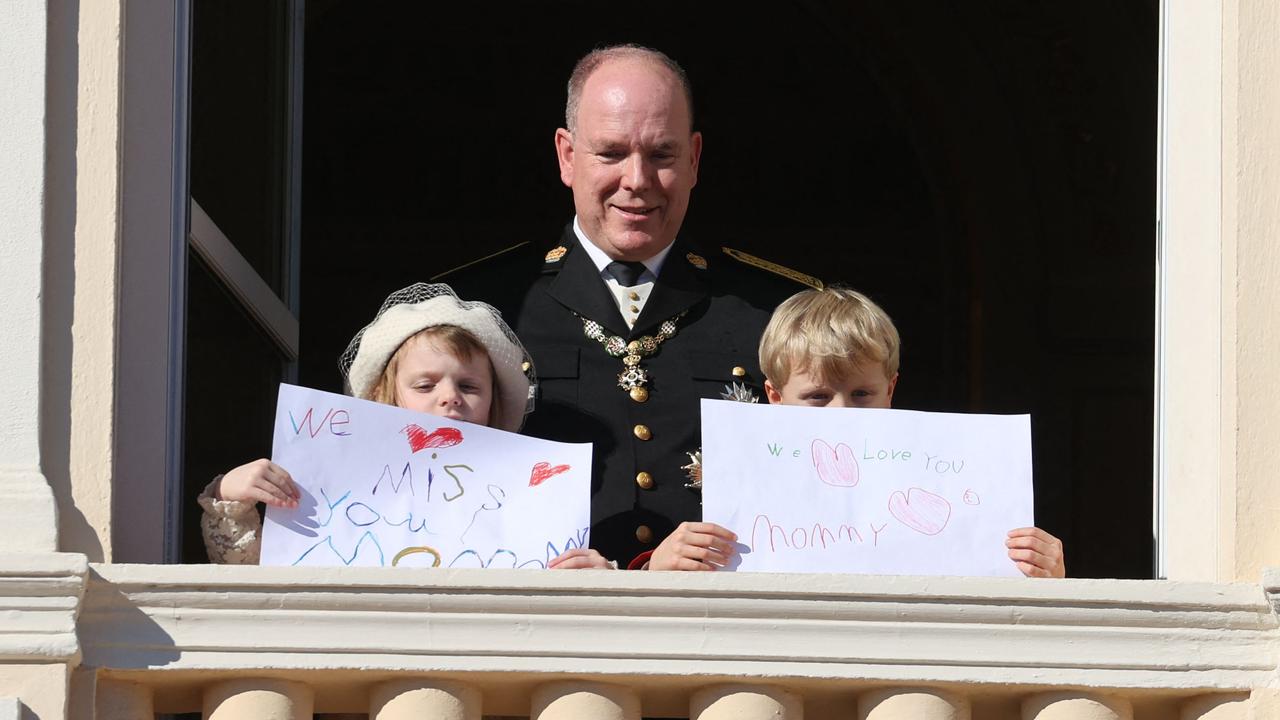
<point x="239" y="126"/>
<point x="233" y="371"/>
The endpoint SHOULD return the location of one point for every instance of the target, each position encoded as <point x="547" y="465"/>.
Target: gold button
<point x="634" y="295"/>
<point x="635" y="309"/>
<point x="644" y="480"/>
<point x="639" y="394"/>
<point x="642" y="432"/>
<point x="524" y="366"/>
<point x="739" y="371"/>
<point x="644" y="534"/>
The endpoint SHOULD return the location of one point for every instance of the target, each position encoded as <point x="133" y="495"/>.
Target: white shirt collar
<point x="601" y="260"/>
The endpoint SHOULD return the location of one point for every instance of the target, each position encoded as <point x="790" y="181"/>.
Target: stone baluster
<point x="1075" y="706"/>
<point x="424" y="700"/>
<point x="745" y="702"/>
<point x="912" y="704"/>
<point x="584" y="701"/>
<point x="1216" y="707"/>
<point x="258" y="699"/>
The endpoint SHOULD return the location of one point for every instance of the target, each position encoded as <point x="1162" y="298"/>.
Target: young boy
<point x="833" y="348"/>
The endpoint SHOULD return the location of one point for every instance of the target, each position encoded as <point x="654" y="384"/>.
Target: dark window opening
<point x="986" y="171"/>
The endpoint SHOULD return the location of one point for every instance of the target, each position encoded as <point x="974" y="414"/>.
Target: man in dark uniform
<point x="629" y="326"/>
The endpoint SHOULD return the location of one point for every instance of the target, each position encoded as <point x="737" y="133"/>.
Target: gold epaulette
<point x="774" y="268"/>
<point x="479" y="260"/>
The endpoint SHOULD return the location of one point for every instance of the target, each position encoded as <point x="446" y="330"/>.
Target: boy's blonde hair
<point x="829" y="333"/>
<point x="458" y="342"/>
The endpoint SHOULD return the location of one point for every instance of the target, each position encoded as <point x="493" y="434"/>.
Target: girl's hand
<point x="259" y="481"/>
<point x="694" y="546"/>
<point x="1036" y="553"/>
<point x="580" y="558"/>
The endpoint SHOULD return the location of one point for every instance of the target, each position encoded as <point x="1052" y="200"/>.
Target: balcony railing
<point x="255" y="642"/>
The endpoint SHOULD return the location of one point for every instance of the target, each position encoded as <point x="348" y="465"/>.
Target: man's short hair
<point x="594" y="59"/>
<point x="829" y="333"/>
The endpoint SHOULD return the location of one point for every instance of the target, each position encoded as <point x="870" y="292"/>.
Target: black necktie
<point x="626" y="273"/>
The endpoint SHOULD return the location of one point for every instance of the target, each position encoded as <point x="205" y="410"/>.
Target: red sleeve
<point x="637" y="563"/>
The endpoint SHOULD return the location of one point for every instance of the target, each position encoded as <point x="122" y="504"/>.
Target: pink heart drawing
<point x="543" y="471"/>
<point x="835" y="467"/>
<point x="920" y="510"/>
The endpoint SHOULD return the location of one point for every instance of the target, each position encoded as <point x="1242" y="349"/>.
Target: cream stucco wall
<point x="1251" y="232"/>
<point x="81" y="247"/>
<point x="58" y="228"/>
<point x="42" y="688"/>
<point x="26" y="503"/>
<point x="1219" y="385"/>
<point x="93" y="364"/>
<point x="1193" y="504"/>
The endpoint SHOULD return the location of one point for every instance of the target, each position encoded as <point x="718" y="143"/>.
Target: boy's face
<point x="866" y="387"/>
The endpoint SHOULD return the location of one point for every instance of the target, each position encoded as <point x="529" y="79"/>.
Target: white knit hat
<point x="407" y="312"/>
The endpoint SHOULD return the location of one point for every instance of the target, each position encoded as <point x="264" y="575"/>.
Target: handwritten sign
<point x="867" y="491"/>
<point x="386" y="486"/>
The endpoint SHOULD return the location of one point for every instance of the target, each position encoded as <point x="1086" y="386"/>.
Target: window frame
<point x="1194" y="272"/>
<point x="159" y="224"/>
<point x="1192" y="447"/>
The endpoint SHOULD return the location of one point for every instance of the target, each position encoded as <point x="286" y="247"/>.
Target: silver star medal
<point x="694" y="470"/>
<point x="739" y="392"/>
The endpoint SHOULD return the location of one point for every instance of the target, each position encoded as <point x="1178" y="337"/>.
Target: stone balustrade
<point x="393" y="644"/>
<point x="249" y="697"/>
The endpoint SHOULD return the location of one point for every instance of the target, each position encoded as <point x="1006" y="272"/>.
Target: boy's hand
<point x="1036" y="553"/>
<point x="259" y="481"/>
<point x="579" y="559"/>
<point x="694" y="546"/>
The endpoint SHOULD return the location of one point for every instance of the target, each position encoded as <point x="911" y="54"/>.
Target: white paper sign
<point x="386" y="486"/>
<point x="866" y="491"/>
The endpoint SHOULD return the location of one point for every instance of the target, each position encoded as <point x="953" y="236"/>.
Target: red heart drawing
<point x="542" y="471"/>
<point x="420" y="439"/>
<point x="920" y="510"/>
<point x="835" y="467"/>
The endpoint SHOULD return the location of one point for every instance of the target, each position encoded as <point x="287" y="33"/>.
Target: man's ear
<point x="695" y="150"/>
<point x="564" y="154"/>
<point x="893" y="383"/>
<point x="771" y="392"/>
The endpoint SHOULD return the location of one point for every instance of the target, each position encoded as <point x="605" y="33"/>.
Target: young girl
<point x="425" y="350"/>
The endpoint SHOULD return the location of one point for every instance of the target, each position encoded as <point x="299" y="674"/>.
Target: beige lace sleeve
<point x="232" y="529"/>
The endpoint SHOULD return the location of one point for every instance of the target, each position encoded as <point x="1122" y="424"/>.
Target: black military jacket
<point x="638" y="491"/>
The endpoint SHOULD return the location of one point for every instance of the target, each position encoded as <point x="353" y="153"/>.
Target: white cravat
<point x="629" y="299"/>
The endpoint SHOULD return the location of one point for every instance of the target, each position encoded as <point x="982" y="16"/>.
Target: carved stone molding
<point x="40" y="594"/>
<point x="698" y="626"/>
<point x="1271" y="586"/>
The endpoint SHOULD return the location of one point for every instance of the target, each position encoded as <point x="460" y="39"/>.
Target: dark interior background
<point x="986" y="171"/>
